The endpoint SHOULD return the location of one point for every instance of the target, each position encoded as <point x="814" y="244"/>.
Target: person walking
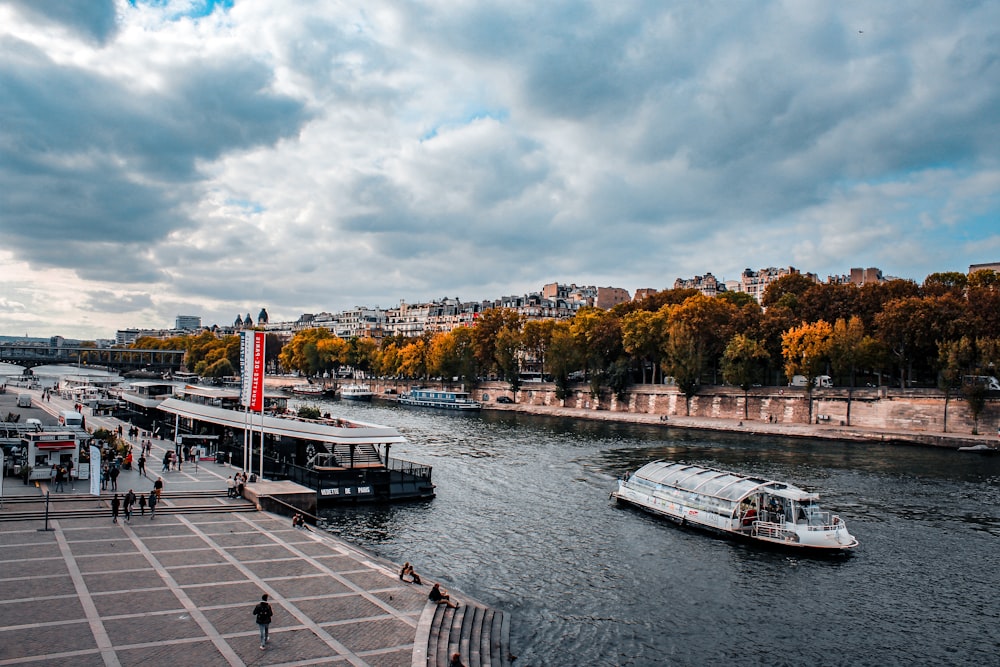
<point x="60" y="479"/>
<point x="113" y="476"/>
<point x="129" y="501"/>
<point x="152" y="504"/>
<point x="142" y="504"/>
<point x="263" y="613"/>
<point x="231" y="487"/>
<point x="142" y="465"/>
<point x="104" y="476"/>
<point x="116" y="504"/>
<point x="158" y="487"/>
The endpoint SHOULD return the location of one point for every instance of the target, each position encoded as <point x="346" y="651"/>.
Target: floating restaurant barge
<point x="443" y="400"/>
<point x="746" y="507"/>
<point x="342" y="460"/>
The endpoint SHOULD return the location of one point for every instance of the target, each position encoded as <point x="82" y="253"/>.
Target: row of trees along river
<point x="931" y="334"/>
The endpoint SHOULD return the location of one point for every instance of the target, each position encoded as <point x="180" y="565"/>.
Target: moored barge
<point x="343" y="460"/>
<point x="440" y="399"/>
<point x="737" y="505"/>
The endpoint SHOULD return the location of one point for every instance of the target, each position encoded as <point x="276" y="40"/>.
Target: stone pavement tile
<point x="206" y="574"/>
<point x="202" y="653"/>
<point x="225" y="593"/>
<point x="237" y="619"/>
<point x="135" y="602"/>
<point x="305" y="587"/>
<point x="173" y="543"/>
<point x="32" y="567"/>
<point x="33" y="536"/>
<point x="259" y="552"/>
<point x="27" y="642"/>
<point x="106" y="531"/>
<point x="242" y="540"/>
<point x="338" y="563"/>
<point x="25" y="612"/>
<point x="110" y="547"/>
<point x="159" y="527"/>
<point x="189" y="557"/>
<point x="313" y="548"/>
<point x="222" y="527"/>
<point x="282" y="568"/>
<point x="370" y="580"/>
<point x="123" y="581"/>
<point x="21" y="589"/>
<point x="408" y="600"/>
<point x="154" y="628"/>
<point x="399" y="658"/>
<point x="372" y="634"/>
<point x="342" y="608"/>
<point x="287" y="647"/>
<point x="101" y="563"/>
<point x="77" y="659"/>
<point x="16" y="552"/>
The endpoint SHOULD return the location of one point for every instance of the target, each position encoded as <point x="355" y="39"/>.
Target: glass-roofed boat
<point x="738" y="505"/>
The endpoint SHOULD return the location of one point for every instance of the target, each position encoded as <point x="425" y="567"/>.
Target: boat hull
<point x="441" y="405"/>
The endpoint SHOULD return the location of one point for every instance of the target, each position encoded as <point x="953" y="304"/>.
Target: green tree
<point x="564" y="357"/>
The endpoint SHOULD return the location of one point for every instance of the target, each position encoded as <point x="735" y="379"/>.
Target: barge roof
<point x="714" y="483"/>
<point x="351" y="432"/>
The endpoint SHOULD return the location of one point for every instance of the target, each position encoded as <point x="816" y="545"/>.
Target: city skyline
<point x="213" y="157"/>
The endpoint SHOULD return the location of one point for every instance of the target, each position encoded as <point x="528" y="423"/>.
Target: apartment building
<point x="707" y="284"/>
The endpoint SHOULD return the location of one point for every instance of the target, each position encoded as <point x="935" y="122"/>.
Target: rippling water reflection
<point x="522" y="521"/>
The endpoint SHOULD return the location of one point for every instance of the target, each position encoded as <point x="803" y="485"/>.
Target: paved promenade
<point x="178" y="589"/>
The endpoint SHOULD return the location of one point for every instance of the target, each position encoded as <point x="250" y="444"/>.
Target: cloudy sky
<point x="165" y="157"/>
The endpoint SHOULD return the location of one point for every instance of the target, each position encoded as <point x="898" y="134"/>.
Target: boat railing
<point x="774" y="531"/>
<point x="409" y="467"/>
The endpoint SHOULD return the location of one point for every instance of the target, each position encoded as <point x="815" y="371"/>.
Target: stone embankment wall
<point x="878" y="408"/>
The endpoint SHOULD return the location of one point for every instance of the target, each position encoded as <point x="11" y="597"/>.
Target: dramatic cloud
<point x="197" y="157"/>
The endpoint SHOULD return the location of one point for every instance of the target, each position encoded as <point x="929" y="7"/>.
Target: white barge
<point x="747" y="507"/>
<point x="440" y="399"/>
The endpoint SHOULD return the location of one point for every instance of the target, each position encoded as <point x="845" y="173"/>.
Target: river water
<point x="522" y="522"/>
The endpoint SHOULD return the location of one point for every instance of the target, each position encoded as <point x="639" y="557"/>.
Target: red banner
<point x="252" y="369"/>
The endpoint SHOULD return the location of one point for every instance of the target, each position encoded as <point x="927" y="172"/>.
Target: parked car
<point x="504" y="399"/>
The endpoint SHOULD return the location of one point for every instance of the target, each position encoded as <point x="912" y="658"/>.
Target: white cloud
<point x="316" y="156"/>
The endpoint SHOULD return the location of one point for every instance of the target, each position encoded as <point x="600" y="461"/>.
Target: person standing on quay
<point x="263" y="613"/>
<point x="142" y="465"/>
<point x="116" y="504"/>
<point x="152" y="504"/>
<point x="158" y="487"/>
<point x="113" y="475"/>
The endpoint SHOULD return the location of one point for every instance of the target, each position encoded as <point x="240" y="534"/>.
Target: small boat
<point x="437" y="398"/>
<point x="979" y="449"/>
<point x="356" y="392"/>
<point x="309" y="390"/>
<point x="756" y="509"/>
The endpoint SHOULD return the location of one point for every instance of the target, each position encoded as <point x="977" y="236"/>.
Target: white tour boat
<point x="356" y="392"/>
<point x="757" y="509"/>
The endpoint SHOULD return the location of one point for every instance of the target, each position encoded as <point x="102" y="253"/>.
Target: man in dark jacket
<point x="263" y="613"/>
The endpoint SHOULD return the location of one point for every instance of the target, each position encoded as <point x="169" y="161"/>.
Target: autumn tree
<point x="598" y="336"/>
<point x="743" y="363"/>
<point x="489" y="324"/>
<point x="564" y="357"/>
<point x="643" y="334"/>
<point x="684" y="359"/>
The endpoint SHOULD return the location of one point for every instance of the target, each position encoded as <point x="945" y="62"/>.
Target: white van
<point x="24" y="400"/>
<point x="70" y="418"/>
<point x="824" y="381"/>
<point x="987" y="381"/>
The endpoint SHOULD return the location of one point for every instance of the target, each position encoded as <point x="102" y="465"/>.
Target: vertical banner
<point x="252" y="370"/>
<point x="95" y="471"/>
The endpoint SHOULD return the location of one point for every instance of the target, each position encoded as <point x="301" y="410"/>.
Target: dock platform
<point x="178" y="589"/>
